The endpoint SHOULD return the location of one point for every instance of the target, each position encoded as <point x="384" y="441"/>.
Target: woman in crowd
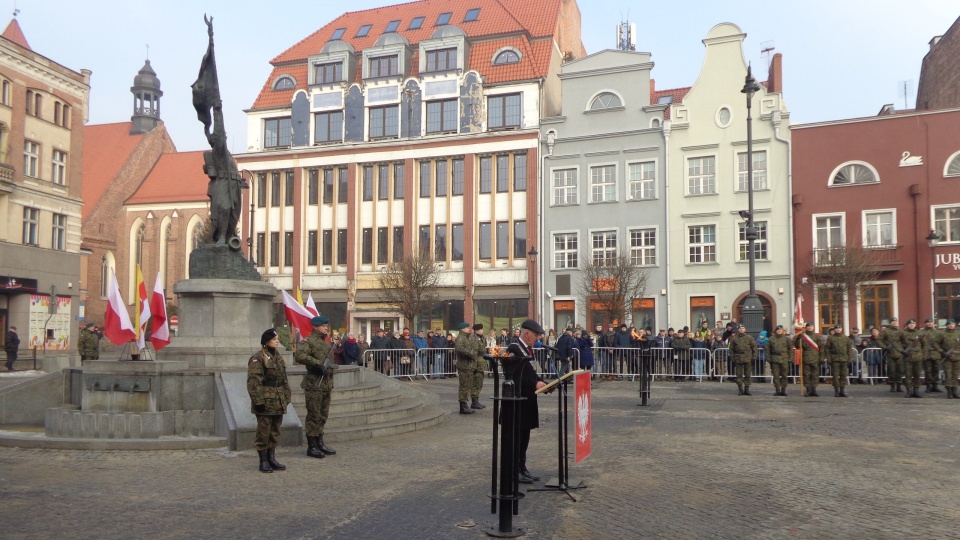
<point x="351" y="350"/>
<point x="720" y="360"/>
<point x="873" y="353"/>
<point x="363" y="346"/>
<point x="585" y="344"/>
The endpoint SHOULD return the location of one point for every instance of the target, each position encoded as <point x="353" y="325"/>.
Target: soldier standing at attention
<point x="838" y="354"/>
<point x="466" y="350"/>
<point x="890" y="342"/>
<point x="88" y="345"/>
<point x="479" y="369"/>
<point x="809" y="343"/>
<point x="950" y="344"/>
<point x="315" y="353"/>
<point x="779" y="355"/>
<point x="269" y="395"/>
<point x="931" y="338"/>
<point x="912" y="349"/>
<point x="743" y="348"/>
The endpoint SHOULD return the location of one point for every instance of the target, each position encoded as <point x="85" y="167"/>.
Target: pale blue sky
<point x="841" y="58"/>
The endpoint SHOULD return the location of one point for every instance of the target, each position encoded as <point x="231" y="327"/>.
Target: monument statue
<point x="218" y="164"/>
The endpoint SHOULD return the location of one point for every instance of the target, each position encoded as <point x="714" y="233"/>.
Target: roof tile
<point x="106" y="148"/>
<point x="176" y="177"/>
<point x="15" y="34"/>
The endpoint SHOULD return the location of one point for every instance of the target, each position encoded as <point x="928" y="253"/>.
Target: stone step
<point x="427" y="417"/>
<point x="405" y="408"/>
<point x="346" y="376"/>
<point x="358" y="391"/>
<point x="346" y="405"/>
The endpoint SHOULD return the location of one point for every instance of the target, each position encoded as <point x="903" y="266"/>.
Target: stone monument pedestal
<point x="221" y="321"/>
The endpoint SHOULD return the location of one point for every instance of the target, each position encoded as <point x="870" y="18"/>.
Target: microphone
<point x="551" y="348"/>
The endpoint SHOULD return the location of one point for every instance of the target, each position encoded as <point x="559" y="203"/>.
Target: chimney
<point x="775" y="75"/>
<point x="934" y="41"/>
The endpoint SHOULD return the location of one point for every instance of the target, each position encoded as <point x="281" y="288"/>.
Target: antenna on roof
<point x="15" y="10"/>
<point x="766" y="48"/>
<point x="905" y="88"/>
<point x="627" y="36"/>
<point x="148" y="52"/>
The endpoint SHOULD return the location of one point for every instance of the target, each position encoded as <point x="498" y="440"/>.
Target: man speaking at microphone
<point x="530" y="382"/>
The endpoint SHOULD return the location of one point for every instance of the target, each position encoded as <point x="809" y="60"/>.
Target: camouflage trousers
<point x="811" y="374"/>
<point x="465" y="369"/>
<point x="912" y="370"/>
<point x="744" y="373"/>
<point x="780" y="370"/>
<point x="840" y="372"/>
<point x="931" y="371"/>
<point x="951" y="371"/>
<point x="894" y="369"/>
<point x="318" y="408"/>
<point x="476" y="384"/>
<point x="268" y="431"/>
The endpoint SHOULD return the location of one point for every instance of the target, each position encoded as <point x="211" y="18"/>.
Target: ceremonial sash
<point x="811" y="342"/>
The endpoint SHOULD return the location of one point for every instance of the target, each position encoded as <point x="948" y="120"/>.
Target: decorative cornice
<point x="699" y="146"/>
<point x="606" y="71"/>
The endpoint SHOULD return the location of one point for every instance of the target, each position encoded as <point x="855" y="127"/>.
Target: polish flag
<point x="298" y="315"/>
<point x="798" y="314"/>
<point x="160" y="337"/>
<point x="143" y="311"/>
<point x="116" y="322"/>
<point x="311" y="307"/>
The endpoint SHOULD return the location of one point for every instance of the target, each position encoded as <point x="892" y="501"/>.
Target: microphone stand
<point x="562" y="482"/>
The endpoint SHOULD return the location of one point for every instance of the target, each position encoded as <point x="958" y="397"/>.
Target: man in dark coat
<point x="565" y="350"/>
<point x="12" y="347"/>
<point x="530" y="382"/>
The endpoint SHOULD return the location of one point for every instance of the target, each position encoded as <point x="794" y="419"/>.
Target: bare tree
<point x="839" y="271"/>
<point x="611" y="284"/>
<point x="410" y="286"/>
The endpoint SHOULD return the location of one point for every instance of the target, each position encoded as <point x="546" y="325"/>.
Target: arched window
<point x="606" y="100"/>
<point x="284" y="82"/>
<point x="952" y="167"/>
<point x="165" y="228"/>
<point x="854" y="172"/>
<point x="508" y="56"/>
<point x="134" y="255"/>
<point x="655" y="122"/>
<point x="38" y="105"/>
<point x="106" y="266"/>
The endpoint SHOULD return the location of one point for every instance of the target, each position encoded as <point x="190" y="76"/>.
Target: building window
<point x="342" y="182"/>
<point x="486" y="174"/>
<point x="342" y="246"/>
<point x="65" y="119"/>
<point x="441" y="178"/>
<point x="261" y="249"/>
<point x="643" y="180"/>
<point x="952" y="167"/>
<point x="519" y="172"/>
<point x="262" y="190"/>
<point x="565" y="186"/>
<point x="311" y="248"/>
<point x="328" y="73"/>
<point x="38" y="105"/>
<point x="29" y="102"/>
<point x="472" y="15"/>
<point x="284" y="83"/>
<point x="275" y="189"/>
<point x="947" y="223"/>
<point x="759" y="245"/>
<point x="424" y="178"/>
<point x="288" y="249"/>
<point x="382" y="245"/>
<point x="366" y="249"/>
<point x="277" y="132"/>
<point x="701" y="175"/>
<point x="829" y="233"/>
<point x="392" y="26"/>
<point x="288" y="190"/>
<point x="702" y="242"/>
<point x="759" y="171"/>
<point x="442" y="60"/>
<point x="878" y="229"/>
<point x="458" y="177"/>
<point x="440" y="243"/>
<point x="603" y="248"/>
<point x="503" y="111"/>
<point x="275" y="249"/>
<point x="326" y="248"/>
<point x="31" y="226"/>
<point x="416" y="23"/>
<point x="484" y="242"/>
<point x="59" y="232"/>
<point x="443" y="19"/>
<point x="383" y="122"/>
<point x="384" y="66"/>
<point x="338" y="34"/>
<point x="877" y="305"/>
<point x="368" y="182"/>
<point x="59" y="175"/>
<point x="854" y="173"/>
<point x="442" y="116"/>
<point x="328" y="127"/>
<point x="643" y="247"/>
<point x="424" y="241"/>
<point x="398" y="173"/>
<point x="519" y="239"/>
<point x="328" y="186"/>
<point x="606" y="100"/>
<point x="313" y="186"/>
<point x="364" y="30"/>
<point x="56" y="112"/>
<point x="397" y="244"/>
<point x="5" y="94"/>
<point x="503" y="239"/>
<point x="506" y="57"/>
<point x="383" y="182"/>
<point x="565" y="251"/>
<point x="31" y="159"/>
<point x="603" y="183"/>
<point x="503" y="176"/>
<point x="457" y="242"/>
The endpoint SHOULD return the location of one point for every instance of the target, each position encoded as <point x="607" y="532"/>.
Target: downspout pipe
<point x="777" y="120"/>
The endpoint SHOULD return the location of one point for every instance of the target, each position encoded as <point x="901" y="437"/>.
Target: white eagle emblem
<point x="583" y="417"/>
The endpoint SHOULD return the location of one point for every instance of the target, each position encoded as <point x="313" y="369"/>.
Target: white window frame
<point x="945" y="231"/>
<point x="946" y="166"/>
<point x="760" y="177"/>
<point x="702" y="179"/>
<point x="615" y="250"/>
<point x="743" y="244"/>
<point x="566" y="188"/>
<point x="701" y="245"/>
<point x="813" y="228"/>
<point x="59" y="168"/>
<point x="631" y="182"/>
<point x="565" y="252"/>
<point x="607" y="187"/>
<point x="31" y="226"/>
<point x="866" y="226"/>
<point x="643" y="250"/>
<point x="31" y="158"/>
<point x="597" y="95"/>
<point x="872" y="169"/>
<point x="58" y="240"/>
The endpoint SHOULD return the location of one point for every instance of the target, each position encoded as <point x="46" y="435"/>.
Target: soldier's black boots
<point x="893" y="387"/>
<point x="477" y="405"/>
<point x="264" y="464"/>
<point x="272" y="460"/>
<point x="739" y="390"/>
<point x="813" y="392"/>
<point x="746" y="391"/>
<point x="313" y="448"/>
<point x="324" y="448"/>
<point x="783" y="391"/>
<point x="464" y="409"/>
<point x="836" y="392"/>
<point x="916" y="392"/>
<point x="927" y="389"/>
<point x="934" y="389"/>
<point x="899" y="387"/>
<point x="843" y="392"/>
<point x="776" y="390"/>
<point x="952" y="391"/>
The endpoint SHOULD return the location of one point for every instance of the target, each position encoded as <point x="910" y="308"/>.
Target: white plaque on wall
<point x="383" y="93"/>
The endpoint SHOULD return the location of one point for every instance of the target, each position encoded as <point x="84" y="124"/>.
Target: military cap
<point x="928" y="319"/>
<point x="89" y="325"/>
<point x="951" y="321"/>
<point x="809" y="323"/>
<point x="463" y="325"/>
<point x="268" y="334"/>
<point x="911" y="321"/>
<point x="838" y="326"/>
<point x="319" y="320"/>
<point x="532" y="325"/>
<point x="893" y="319"/>
<point x="779" y="327"/>
<point x="478" y="326"/>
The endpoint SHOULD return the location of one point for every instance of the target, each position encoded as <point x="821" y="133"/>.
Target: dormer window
<point x="416" y="23"/>
<point x="329" y="73"/>
<point x="338" y="33"/>
<point x="442" y="59"/>
<point x="443" y="19"/>
<point x="284" y="82"/>
<point x="665" y="100"/>
<point x="384" y="66"/>
<point x="472" y="15"/>
<point x="364" y="30"/>
<point x="508" y="56"/>
<point x="392" y="26"/>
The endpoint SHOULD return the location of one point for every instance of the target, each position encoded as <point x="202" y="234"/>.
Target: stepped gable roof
<point x="176" y="177"/>
<point x="517" y="21"/>
<point x="15" y="34"/>
<point x="106" y="148"/>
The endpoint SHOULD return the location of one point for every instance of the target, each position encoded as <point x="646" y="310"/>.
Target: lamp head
<point x="750" y="85"/>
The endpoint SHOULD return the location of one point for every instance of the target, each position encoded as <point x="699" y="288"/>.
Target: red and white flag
<point x="311" y="307"/>
<point x="116" y="322"/>
<point x="298" y="315"/>
<point x="160" y="336"/>
<point x="798" y="314"/>
<point x="143" y="311"/>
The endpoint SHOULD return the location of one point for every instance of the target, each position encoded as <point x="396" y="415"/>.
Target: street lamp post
<point x="533" y="282"/>
<point x="752" y="313"/>
<point x="932" y="240"/>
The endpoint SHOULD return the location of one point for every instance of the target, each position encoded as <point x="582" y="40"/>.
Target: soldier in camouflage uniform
<point x="89" y="344"/>
<point x="912" y="349"/>
<point x="466" y="350"/>
<point x="930" y="337"/>
<point x="743" y="349"/>
<point x="780" y="355"/>
<point x="480" y="369"/>
<point x="269" y="395"/>
<point x="890" y="343"/>
<point x="950" y="345"/>
<point x="837" y="351"/>
<point x="315" y="353"/>
<point x="809" y="344"/>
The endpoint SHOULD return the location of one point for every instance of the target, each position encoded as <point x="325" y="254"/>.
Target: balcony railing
<point x="6" y="173"/>
<point x="885" y="258"/>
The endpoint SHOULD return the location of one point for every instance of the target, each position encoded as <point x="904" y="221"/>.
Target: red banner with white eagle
<point x="584" y="428"/>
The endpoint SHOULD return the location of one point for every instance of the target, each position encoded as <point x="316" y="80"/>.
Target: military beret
<point x="89" y="324"/>
<point x="532" y="325"/>
<point x="779" y="327"/>
<point x="319" y="320"/>
<point x="951" y="321"/>
<point x="478" y="326"/>
<point x="838" y="327"/>
<point x="928" y="319"/>
<point x="911" y="321"/>
<point x="268" y="334"/>
<point x="463" y="325"/>
<point x="893" y="319"/>
<point x="809" y="323"/>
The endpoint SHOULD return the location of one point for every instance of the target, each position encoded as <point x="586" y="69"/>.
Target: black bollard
<point x="508" y="496"/>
